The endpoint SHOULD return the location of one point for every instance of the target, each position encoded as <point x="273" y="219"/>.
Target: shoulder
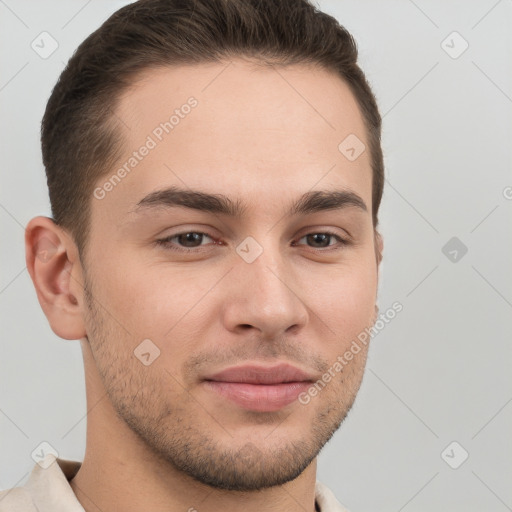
<point x="16" y="499"/>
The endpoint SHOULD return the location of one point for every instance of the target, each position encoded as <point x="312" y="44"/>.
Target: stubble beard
<point x="175" y="437"/>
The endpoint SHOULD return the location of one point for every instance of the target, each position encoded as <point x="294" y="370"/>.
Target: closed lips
<point x="252" y="374"/>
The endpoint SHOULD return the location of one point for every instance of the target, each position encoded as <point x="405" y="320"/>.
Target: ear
<point x="379" y="247"/>
<point x="55" y="268"/>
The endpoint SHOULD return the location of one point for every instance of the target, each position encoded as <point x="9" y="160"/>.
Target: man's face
<point x="263" y="138"/>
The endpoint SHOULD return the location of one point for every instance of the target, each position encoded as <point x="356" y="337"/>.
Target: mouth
<point x="260" y="388"/>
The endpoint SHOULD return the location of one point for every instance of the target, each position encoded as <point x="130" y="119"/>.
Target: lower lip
<point x="259" y="397"/>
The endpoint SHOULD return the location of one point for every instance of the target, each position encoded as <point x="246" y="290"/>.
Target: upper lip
<point x="259" y="374"/>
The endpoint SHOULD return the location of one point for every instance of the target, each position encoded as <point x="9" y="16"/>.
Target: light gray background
<point x="440" y="371"/>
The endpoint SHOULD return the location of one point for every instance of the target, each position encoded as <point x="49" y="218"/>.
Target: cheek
<point x="153" y="300"/>
<point x="346" y="300"/>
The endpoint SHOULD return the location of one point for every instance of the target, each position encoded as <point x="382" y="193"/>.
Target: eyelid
<point x="342" y="241"/>
<point x="334" y="231"/>
<point x="165" y="241"/>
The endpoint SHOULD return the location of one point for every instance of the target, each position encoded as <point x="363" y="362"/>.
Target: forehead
<point x="240" y="128"/>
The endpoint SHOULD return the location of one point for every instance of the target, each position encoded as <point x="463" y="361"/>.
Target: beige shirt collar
<point x="48" y="490"/>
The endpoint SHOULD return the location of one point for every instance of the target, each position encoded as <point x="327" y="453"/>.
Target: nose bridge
<point x="267" y="297"/>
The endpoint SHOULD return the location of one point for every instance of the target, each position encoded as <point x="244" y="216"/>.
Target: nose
<point x="266" y="295"/>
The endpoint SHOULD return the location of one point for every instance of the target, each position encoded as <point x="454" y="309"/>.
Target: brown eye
<point x="191" y="239"/>
<point x="187" y="241"/>
<point x="323" y="239"/>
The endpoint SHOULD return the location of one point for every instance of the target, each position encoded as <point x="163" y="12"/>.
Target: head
<point x="206" y="215"/>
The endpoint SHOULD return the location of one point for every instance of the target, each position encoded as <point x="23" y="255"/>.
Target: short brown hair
<point x="79" y="135"/>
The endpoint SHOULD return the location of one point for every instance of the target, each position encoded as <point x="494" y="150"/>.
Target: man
<point x="215" y="175"/>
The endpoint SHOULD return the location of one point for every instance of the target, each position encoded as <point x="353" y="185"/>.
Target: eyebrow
<point x="310" y="202"/>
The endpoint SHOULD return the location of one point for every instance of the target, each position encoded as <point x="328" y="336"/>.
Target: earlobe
<point x="55" y="268"/>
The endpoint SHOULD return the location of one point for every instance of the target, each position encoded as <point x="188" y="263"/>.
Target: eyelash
<point x="166" y="242"/>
